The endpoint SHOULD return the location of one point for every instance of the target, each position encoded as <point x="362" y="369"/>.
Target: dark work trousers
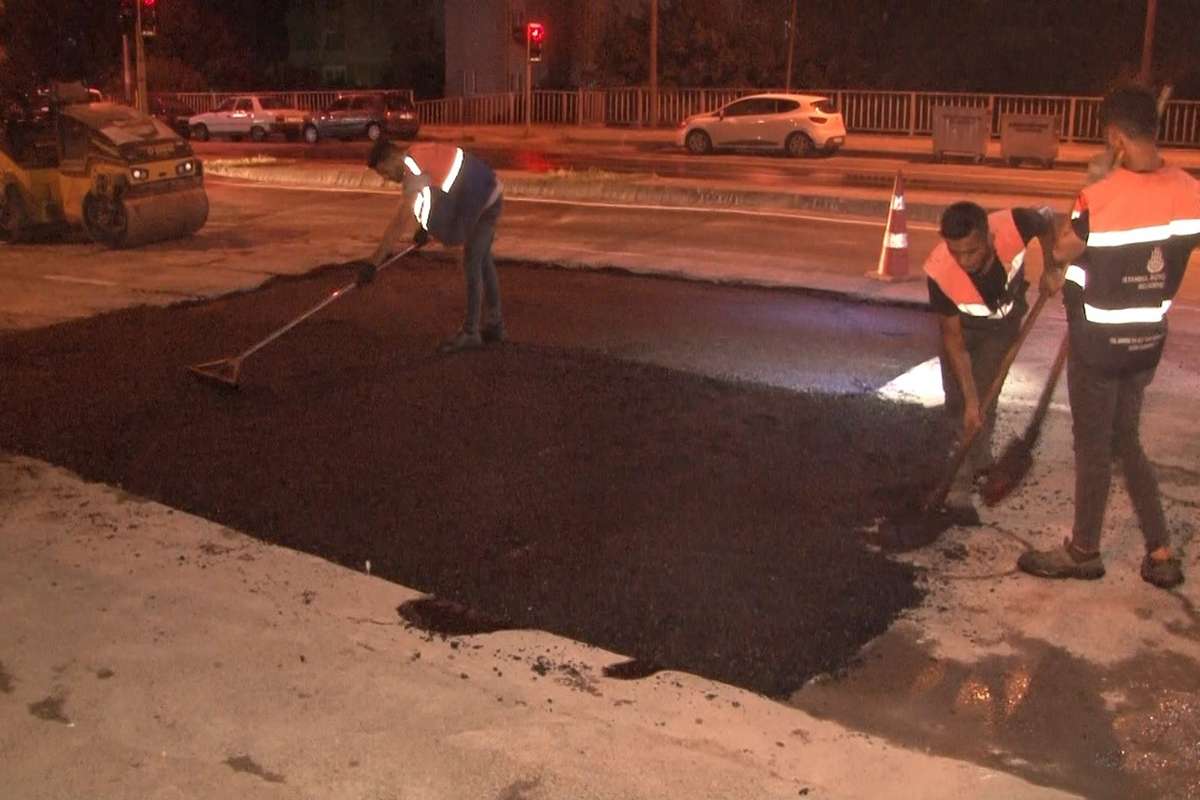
<point x="480" y="270"/>
<point x="986" y="346"/>
<point x="1106" y="412"/>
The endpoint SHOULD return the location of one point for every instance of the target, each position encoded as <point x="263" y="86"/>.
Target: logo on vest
<point x="1155" y="264"/>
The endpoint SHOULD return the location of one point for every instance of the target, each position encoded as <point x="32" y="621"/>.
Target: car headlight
<point x="185" y="168"/>
<point x="140" y="173"/>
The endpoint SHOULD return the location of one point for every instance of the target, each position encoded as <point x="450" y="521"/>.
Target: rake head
<point x="222" y="373"/>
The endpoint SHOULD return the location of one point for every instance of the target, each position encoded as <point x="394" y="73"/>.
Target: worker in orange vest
<point x="977" y="288"/>
<point x="1123" y="253"/>
<point x="456" y="198"/>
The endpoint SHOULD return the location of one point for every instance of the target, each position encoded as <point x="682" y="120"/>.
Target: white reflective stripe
<point x="898" y="203"/>
<point x="1076" y="214"/>
<point x="896" y="241"/>
<point x="1077" y="275"/>
<point x="1126" y="316"/>
<point x="421" y="207"/>
<point x="1147" y="235"/>
<point x="412" y="165"/>
<point x="1003" y="311"/>
<point x="1017" y="262"/>
<point x="452" y="176"/>
<point x="975" y="309"/>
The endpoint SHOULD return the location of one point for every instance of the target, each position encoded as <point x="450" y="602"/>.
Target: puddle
<point x="448" y="618"/>
<point x="1131" y="729"/>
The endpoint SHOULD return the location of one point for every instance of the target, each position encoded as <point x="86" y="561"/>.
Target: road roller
<point x="121" y="176"/>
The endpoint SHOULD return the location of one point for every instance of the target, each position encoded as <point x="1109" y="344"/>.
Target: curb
<point x="522" y="185"/>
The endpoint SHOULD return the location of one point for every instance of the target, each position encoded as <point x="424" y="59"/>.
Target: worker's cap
<point x="382" y="150"/>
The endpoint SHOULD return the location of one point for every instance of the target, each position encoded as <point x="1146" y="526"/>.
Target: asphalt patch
<point x="640" y="509"/>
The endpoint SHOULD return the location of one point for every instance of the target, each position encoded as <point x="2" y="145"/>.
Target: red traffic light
<point x="536" y="32"/>
<point x="149" y="3"/>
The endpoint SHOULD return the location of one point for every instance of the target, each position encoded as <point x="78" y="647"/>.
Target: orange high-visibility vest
<point x="1141" y="226"/>
<point x="956" y="284"/>
<point x="460" y="188"/>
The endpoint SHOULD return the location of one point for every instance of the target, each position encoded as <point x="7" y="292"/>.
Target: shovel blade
<point x="222" y="373"/>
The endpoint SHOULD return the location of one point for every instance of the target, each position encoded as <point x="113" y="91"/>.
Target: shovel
<point x="917" y="529"/>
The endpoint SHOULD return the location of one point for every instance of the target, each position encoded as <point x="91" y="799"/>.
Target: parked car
<point x="799" y="124"/>
<point x="369" y="115"/>
<point x="172" y="113"/>
<point x="249" y="116"/>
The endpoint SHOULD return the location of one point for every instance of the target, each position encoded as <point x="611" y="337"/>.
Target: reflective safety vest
<point x="956" y="284"/>
<point x="1119" y="290"/>
<point x="460" y="187"/>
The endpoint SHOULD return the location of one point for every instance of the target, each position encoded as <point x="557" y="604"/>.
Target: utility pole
<point x="653" y="63"/>
<point x="528" y="82"/>
<point x="1148" y="42"/>
<point x="125" y="66"/>
<point x="791" y="46"/>
<point x="143" y="101"/>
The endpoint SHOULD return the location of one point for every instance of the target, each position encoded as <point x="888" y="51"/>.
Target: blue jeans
<point x="479" y="269"/>
<point x="1106" y="412"/>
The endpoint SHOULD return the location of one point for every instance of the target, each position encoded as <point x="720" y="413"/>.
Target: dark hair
<point x="1132" y="109"/>
<point x="379" y="152"/>
<point x="962" y="219"/>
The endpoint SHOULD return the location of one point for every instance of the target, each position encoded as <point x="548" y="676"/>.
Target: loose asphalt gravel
<point x="682" y="521"/>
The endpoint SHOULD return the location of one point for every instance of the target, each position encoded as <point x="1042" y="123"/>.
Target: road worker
<point x="1123" y="253"/>
<point x="455" y="198"/>
<point x="977" y="288"/>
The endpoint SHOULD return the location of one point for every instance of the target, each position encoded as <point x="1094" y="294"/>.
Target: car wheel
<point x="1048" y="163"/>
<point x="311" y="134"/>
<point x="373" y="131"/>
<point x="1013" y="161"/>
<point x="200" y="132"/>
<point x="698" y="143"/>
<point x="799" y="145"/>
<point x="105" y="220"/>
<point x="257" y="134"/>
<point x="14" y="219"/>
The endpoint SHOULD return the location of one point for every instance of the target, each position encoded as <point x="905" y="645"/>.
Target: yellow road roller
<point x="123" y="177"/>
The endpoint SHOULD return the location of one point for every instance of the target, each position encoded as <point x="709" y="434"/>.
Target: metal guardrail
<point x="865" y="111"/>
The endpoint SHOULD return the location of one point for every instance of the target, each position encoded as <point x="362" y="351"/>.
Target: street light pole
<point x="1148" y="42"/>
<point x="528" y="83"/>
<point x="653" y="63"/>
<point x="791" y="45"/>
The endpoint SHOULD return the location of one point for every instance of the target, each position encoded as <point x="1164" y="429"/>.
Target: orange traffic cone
<point x="893" y="257"/>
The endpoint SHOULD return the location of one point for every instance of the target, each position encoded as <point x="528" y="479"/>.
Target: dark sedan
<point x="171" y="113"/>
<point x="365" y="115"/>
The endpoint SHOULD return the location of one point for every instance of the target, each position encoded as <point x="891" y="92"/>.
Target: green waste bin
<point x="1029" y="137"/>
<point x="961" y="131"/>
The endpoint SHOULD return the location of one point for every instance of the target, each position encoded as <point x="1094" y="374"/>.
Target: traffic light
<point x="535" y="37"/>
<point x="128" y="12"/>
<point x="149" y="17"/>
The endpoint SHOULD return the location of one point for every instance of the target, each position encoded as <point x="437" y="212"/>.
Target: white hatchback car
<point x="798" y="124"/>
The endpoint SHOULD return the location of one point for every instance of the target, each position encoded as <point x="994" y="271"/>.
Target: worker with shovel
<point x="1125" y="251"/>
<point x="456" y="198"/>
<point x="977" y="287"/>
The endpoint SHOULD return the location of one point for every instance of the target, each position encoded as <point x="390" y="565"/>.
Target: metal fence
<point x="865" y="111"/>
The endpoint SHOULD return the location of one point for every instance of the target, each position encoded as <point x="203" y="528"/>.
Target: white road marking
<point x="76" y="279"/>
<point x="591" y="204"/>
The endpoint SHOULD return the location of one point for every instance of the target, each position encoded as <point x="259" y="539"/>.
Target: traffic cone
<point x="893" y="257"/>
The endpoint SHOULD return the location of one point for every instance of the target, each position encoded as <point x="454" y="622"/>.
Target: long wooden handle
<point x="938" y="496"/>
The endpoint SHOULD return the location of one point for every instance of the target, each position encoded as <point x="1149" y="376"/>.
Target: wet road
<point x="763" y="171"/>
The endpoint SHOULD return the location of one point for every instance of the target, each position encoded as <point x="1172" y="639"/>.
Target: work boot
<point x="493" y="334"/>
<point x="1165" y="573"/>
<point x="1062" y="562"/>
<point x="960" y="510"/>
<point x="460" y="341"/>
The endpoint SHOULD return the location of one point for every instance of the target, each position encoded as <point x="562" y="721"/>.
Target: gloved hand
<point x="365" y="269"/>
<point x="421" y="237"/>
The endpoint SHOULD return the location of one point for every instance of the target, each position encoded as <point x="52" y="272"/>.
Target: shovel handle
<point x="938" y="496"/>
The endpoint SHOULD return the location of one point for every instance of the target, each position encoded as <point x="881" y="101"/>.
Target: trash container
<point x="961" y="131"/>
<point x="1032" y="137"/>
